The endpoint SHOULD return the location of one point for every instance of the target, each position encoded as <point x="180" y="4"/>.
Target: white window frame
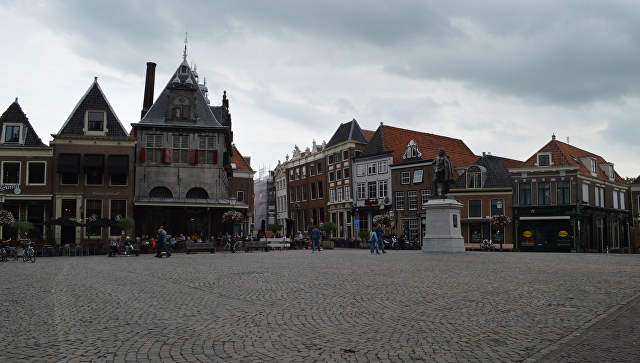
<point x="339" y="194"/>
<point x="332" y="195"/>
<point x="594" y="166"/>
<point x="405" y="177"/>
<point x="362" y="191"/>
<point x="361" y="169"/>
<point x="585" y="192"/>
<point x="86" y="123"/>
<point x="425" y="194"/>
<point x="383" y="188"/>
<point x="615" y="199"/>
<point x="383" y="167"/>
<point x="371" y="168"/>
<point x="20" y="134"/>
<point x="623" y="201"/>
<point x="347" y="192"/>
<point x="417" y="176"/>
<point x="412" y="199"/>
<point x="399" y="200"/>
<point x="539" y="164"/>
<point x="304" y="172"/>
<point x="19" y="171"/>
<point x="28" y="172"/>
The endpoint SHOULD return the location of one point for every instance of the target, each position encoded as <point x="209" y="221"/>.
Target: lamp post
<point x="233" y="201"/>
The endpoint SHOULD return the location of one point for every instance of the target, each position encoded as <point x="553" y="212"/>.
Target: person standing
<point x="380" y="239"/>
<point x="315" y="237"/>
<point x="373" y="239"/>
<point x="161" y="243"/>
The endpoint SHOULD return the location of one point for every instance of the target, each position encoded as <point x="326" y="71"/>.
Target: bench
<point x="476" y="247"/>
<point x="134" y="249"/>
<point x="274" y="243"/>
<point x="197" y="247"/>
<point x="254" y="245"/>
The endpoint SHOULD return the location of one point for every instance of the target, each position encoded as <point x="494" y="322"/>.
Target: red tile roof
<point x="241" y="163"/>
<point x="368" y="133"/>
<point x="567" y="155"/>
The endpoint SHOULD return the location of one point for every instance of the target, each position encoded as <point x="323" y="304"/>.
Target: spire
<point x="184" y="53"/>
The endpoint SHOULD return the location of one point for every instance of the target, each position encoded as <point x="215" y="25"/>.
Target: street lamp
<point x="233" y="201"/>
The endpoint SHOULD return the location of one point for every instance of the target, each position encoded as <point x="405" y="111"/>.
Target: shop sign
<point x="370" y="202"/>
<point x="563" y="233"/>
<point x="527" y="234"/>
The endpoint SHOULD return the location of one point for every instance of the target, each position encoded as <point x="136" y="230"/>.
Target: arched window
<point x="160" y="192"/>
<point x="197" y="193"/>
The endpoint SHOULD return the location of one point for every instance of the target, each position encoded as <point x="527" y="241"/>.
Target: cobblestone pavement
<point x="330" y="306"/>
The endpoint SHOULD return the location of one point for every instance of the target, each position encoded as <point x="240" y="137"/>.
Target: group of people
<point x="375" y="238"/>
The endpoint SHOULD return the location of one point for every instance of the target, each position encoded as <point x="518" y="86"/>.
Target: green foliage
<point x="23" y="228"/>
<point x="310" y="228"/>
<point x="275" y="228"/>
<point x="629" y="180"/>
<point x="126" y="224"/>
<point x="329" y="227"/>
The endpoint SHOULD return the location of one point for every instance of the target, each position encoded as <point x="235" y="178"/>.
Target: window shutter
<point x="192" y="156"/>
<point x="230" y="175"/>
<point x="167" y="155"/>
<point x="143" y="154"/>
<point x="197" y="158"/>
<point x="215" y="157"/>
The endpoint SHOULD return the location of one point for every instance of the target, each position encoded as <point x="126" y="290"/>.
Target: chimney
<point x="148" y="88"/>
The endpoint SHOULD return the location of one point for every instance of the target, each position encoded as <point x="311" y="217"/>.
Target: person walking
<point x="315" y="237"/>
<point x="373" y="239"/>
<point x="380" y="239"/>
<point x="161" y="243"/>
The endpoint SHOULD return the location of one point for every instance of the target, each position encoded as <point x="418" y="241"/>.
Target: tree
<point x="23" y="228"/>
<point x="629" y="180"/>
<point x="126" y="224"/>
<point x="329" y="227"/>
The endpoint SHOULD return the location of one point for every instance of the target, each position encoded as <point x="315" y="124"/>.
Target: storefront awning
<point x="539" y="218"/>
<point x="187" y="202"/>
<point x="118" y="164"/>
<point x="68" y="163"/>
<point x="93" y="161"/>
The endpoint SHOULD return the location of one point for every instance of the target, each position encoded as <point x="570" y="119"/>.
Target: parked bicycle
<point x="29" y="253"/>
<point x="232" y="245"/>
<point x="7" y="252"/>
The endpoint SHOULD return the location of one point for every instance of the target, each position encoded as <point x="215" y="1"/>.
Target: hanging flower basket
<point x="383" y="220"/>
<point x="500" y="221"/>
<point x="6" y="218"/>
<point x="232" y="216"/>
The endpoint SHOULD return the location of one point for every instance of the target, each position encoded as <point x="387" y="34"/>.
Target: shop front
<point x="545" y="230"/>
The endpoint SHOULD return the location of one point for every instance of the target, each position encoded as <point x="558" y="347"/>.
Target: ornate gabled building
<point x="242" y="188"/>
<point x="183" y="163"/>
<point x="348" y="141"/>
<point x="485" y="190"/>
<point x="26" y="164"/>
<point x="394" y="173"/>
<point x="569" y="199"/>
<point x="93" y="169"/>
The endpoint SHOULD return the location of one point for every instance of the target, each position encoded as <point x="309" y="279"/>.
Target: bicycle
<point x="7" y="252"/>
<point x="29" y="253"/>
<point x="232" y="245"/>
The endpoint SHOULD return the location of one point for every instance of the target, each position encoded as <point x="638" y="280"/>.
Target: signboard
<point x="356" y="223"/>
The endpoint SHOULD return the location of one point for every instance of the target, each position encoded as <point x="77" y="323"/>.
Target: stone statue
<point x="443" y="172"/>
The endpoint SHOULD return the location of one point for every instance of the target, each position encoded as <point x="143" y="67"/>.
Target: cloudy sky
<point x="503" y="76"/>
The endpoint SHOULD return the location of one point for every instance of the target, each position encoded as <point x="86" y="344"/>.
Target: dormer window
<point x="183" y="69"/>
<point x="544" y="159"/>
<point x="181" y="112"/>
<point x="412" y="150"/>
<point x="594" y="166"/>
<point x="12" y="133"/>
<point x="612" y="174"/>
<point x="476" y="176"/>
<point x="95" y="123"/>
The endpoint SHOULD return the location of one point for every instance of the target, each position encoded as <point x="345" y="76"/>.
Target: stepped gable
<point x="14" y="114"/>
<point x="563" y="154"/>
<point x="93" y="99"/>
<point x="158" y="111"/>
<point x="349" y="131"/>
<point x="241" y="163"/>
<point x="497" y="173"/>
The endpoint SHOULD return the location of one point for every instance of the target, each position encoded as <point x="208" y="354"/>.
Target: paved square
<point x="297" y="306"/>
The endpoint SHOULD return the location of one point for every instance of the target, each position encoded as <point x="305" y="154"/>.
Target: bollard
<point x="607" y="250"/>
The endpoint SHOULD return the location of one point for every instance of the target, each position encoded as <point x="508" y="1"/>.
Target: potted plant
<point x="23" y="228"/>
<point x="232" y="216"/>
<point x="500" y="221"/>
<point x="126" y="224"/>
<point x="328" y="227"/>
<point x="382" y="219"/>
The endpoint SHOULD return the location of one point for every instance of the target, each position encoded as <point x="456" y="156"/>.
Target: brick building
<point x="27" y="165"/>
<point x="93" y="169"/>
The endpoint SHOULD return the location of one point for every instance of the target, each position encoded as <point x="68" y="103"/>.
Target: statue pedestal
<point x="442" y="228"/>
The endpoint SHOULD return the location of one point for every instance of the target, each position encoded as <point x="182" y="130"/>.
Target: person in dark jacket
<point x="315" y="237"/>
